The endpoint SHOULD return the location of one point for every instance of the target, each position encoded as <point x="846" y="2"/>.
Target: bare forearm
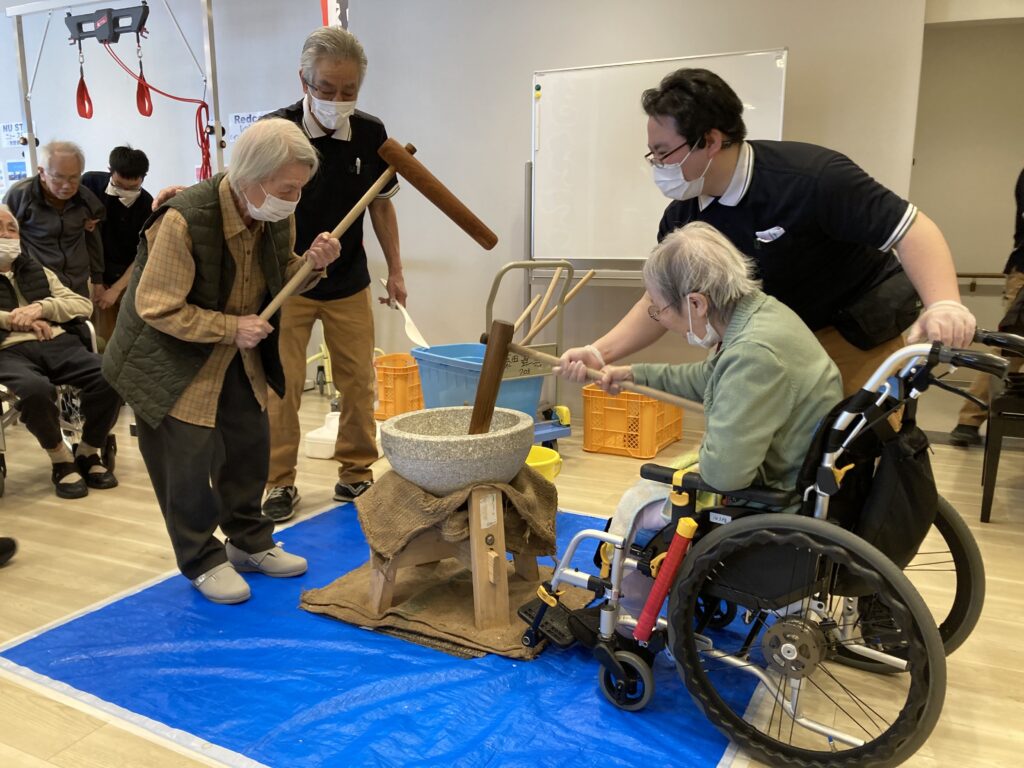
<point x="634" y="332"/>
<point x="925" y="256"/>
<point x="385" y="226"/>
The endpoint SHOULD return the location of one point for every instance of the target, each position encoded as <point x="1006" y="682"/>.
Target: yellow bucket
<point x="545" y="461"/>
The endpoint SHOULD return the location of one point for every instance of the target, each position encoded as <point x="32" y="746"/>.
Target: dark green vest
<point x="151" y="369"/>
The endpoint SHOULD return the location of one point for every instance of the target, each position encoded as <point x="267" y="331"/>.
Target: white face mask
<point x="273" y="208"/>
<point x="673" y="184"/>
<point x="9" y="251"/>
<point x="711" y="337"/>
<point x="331" y="114"/>
<point x="126" y="196"/>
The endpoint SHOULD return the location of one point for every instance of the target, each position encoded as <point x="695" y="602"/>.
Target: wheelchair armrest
<point x="692" y="481"/>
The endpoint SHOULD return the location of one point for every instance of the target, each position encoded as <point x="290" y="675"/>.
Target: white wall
<point x="454" y="78"/>
<point x="969" y="146"/>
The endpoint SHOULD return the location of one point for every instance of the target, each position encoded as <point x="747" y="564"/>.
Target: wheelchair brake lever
<point x="957" y="391"/>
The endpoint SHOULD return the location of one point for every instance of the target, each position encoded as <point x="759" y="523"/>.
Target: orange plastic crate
<point x="628" y="424"/>
<point x="398" y="385"/>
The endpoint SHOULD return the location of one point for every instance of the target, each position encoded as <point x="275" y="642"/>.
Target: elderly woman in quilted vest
<point x="193" y="358"/>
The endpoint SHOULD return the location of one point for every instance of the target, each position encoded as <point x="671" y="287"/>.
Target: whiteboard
<point x="593" y="196"/>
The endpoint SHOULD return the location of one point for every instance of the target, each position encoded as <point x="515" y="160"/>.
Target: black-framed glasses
<point x="659" y="162"/>
<point x="654" y="312"/>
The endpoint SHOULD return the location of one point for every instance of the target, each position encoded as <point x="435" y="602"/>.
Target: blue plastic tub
<point x="449" y="375"/>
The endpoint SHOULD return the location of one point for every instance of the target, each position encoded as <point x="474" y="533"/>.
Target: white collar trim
<point x="342" y="133"/>
<point x="740" y="182"/>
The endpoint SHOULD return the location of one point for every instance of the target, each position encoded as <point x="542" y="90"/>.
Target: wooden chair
<point x="1005" y="419"/>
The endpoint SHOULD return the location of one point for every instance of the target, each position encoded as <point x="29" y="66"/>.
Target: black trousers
<point x="205" y="478"/>
<point x="33" y="368"/>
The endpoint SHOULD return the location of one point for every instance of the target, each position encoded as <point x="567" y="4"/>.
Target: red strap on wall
<point x="82" y="100"/>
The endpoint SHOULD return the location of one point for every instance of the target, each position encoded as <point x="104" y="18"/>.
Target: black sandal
<point x="75" y="490"/>
<point x="100" y="480"/>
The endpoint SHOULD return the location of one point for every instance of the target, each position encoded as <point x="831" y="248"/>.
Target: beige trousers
<point x="348" y="334"/>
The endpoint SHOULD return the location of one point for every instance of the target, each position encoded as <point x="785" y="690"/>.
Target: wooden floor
<point x="74" y="554"/>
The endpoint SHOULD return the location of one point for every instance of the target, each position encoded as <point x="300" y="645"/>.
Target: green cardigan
<point x="764" y="392"/>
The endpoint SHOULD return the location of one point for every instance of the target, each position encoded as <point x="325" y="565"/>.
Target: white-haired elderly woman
<point x="767" y="381"/>
<point x="193" y="358"/>
<point x="765" y="384"/>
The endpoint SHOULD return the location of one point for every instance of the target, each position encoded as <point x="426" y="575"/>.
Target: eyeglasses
<point x="654" y="312"/>
<point x="333" y="94"/>
<point x="659" y="162"/>
<point x="60" y="179"/>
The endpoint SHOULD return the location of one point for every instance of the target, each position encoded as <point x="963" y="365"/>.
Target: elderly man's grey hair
<point x="331" y="43"/>
<point x="47" y="151"/>
<point x="698" y="258"/>
<point x="266" y="146"/>
<point x="7" y="209"/>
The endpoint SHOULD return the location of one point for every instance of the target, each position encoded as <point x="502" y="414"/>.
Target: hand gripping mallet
<point x="593" y="375"/>
<point x="400" y="160"/>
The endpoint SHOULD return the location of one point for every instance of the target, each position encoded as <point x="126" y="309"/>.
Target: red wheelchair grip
<point x="666" y="575"/>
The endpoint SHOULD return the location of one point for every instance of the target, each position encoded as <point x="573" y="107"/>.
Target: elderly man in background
<point x="36" y="353"/>
<point x="194" y="360"/>
<point x="59" y="218"/>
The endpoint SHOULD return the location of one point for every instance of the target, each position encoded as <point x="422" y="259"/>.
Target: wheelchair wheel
<point x="949" y="574"/>
<point x="635" y="691"/>
<point x="773" y="686"/>
<point x="722" y="613"/>
<point x="949" y="562"/>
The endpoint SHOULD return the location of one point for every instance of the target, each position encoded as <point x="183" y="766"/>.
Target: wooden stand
<point x="483" y="554"/>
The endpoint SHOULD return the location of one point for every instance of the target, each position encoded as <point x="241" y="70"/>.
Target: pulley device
<point x="107" y="25"/>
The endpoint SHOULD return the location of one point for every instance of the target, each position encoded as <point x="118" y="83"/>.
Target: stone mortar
<point x="432" y="448"/>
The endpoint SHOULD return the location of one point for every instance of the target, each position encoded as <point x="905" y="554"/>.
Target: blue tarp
<point x="288" y="688"/>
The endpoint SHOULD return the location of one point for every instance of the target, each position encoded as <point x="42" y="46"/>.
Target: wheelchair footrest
<point x="554" y="625"/>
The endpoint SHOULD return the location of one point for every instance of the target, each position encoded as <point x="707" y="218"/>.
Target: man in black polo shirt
<point x="128" y="206"/>
<point x="333" y="65"/>
<point x="820" y="230"/>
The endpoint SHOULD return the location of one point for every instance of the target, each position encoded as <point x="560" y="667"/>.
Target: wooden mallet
<point x="400" y="160"/>
<point x="592" y="375"/>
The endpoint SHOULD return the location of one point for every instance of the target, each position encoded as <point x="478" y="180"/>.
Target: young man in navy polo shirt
<point x="332" y="67"/>
<point x="820" y="230"/>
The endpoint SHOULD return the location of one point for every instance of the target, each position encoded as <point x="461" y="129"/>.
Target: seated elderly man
<point x="39" y="348"/>
<point x="765" y="385"/>
<point x="59" y="218"/>
<point x="194" y="360"/>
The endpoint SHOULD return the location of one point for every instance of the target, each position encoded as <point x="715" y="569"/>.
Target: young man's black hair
<point x="698" y="100"/>
<point x="129" y="163"/>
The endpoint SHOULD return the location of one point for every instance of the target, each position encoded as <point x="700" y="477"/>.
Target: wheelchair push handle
<point x="1008" y="341"/>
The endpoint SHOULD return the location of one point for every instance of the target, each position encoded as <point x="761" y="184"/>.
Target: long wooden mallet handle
<point x="628" y="386"/>
<point x="490" y="376"/>
<point x="413" y="171"/>
<point x="539" y="325"/>
<point x="526" y="313"/>
<point x="350" y="218"/>
<point x="547" y="297"/>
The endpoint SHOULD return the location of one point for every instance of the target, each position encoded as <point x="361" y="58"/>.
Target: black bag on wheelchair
<point x="888" y="496"/>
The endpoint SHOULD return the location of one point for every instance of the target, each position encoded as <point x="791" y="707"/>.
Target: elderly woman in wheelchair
<point x="798" y="635"/>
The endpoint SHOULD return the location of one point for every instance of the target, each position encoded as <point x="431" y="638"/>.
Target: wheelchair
<point x="801" y="641"/>
<point x="69" y="407"/>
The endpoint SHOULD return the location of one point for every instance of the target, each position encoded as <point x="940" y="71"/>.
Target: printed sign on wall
<point x="11" y="133"/>
<point x="239" y="121"/>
